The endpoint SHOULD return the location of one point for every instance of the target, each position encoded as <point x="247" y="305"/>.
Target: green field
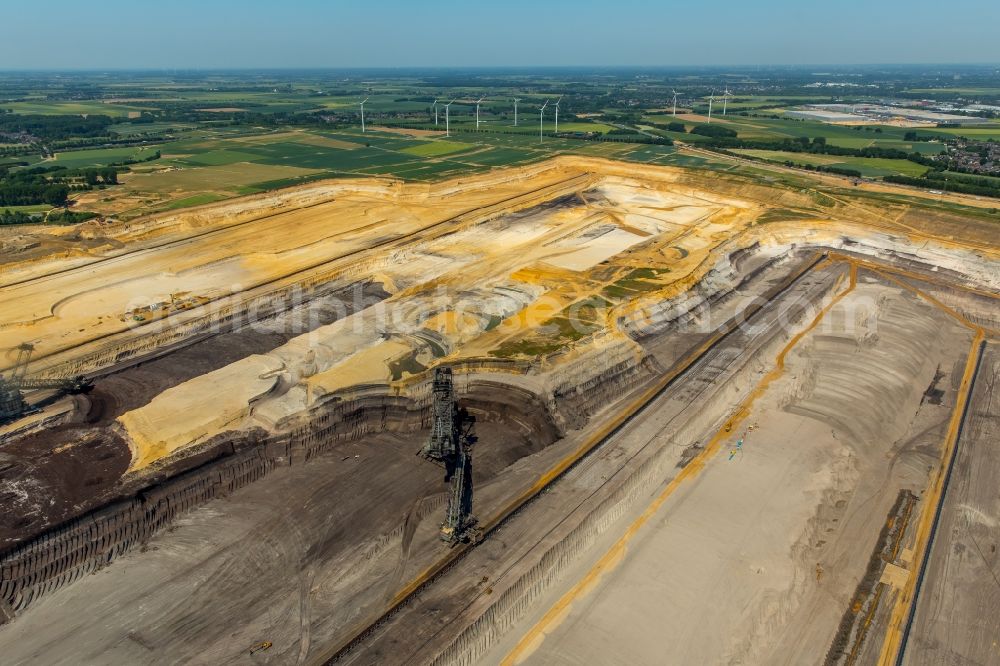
<point x="778" y="129"/>
<point x="982" y="133"/>
<point x="39" y="208"/>
<point x="196" y="200"/>
<point x="868" y="166"/>
<point x="78" y="159"/>
<point x="223" y="135"/>
<point x="437" y="148"/>
<point x="133" y="129"/>
<point x="77" y="108"/>
<point x="217" y="158"/>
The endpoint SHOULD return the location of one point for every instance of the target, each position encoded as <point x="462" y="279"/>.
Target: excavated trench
<point x="103" y="517"/>
<point x="80" y="464"/>
<point x="511" y="424"/>
<point x="514" y="421"/>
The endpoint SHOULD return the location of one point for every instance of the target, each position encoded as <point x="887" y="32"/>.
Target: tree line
<point x="9" y="217"/>
<point x="819" y="146"/>
<point x="50" y="185"/>
<point x="49" y="128"/>
<point x="949" y="184"/>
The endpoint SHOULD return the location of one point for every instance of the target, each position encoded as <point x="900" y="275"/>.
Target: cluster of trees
<point x="68" y="217"/>
<point x="818" y="145"/>
<point x="49" y="128"/>
<point x="623" y="134"/>
<point x="948" y="184"/>
<point x="121" y="163"/>
<point x="188" y="112"/>
<point x="988" y="182"/>
<point x="705" y="129"/>
<point x="16" y="217"/>
<point x="626" y="138"/>
<point x="841" y="171"/>
<point x="8" y="217"/>
<point x="50" y="185"/>
<point x="51" y="147"/>
<point x="26" y="193"/>
<point x="715" y="131"/>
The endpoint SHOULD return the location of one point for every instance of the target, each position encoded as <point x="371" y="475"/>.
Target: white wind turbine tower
<point x="557" y="113"/>
<point x="675" y="101"/>
<point x="725" y="100"/>
<point x="711" y="98"/>
<point x="435" y="107"/>
<point x="447" y="124"/>
<point x="478" y="101"/>
<point x="363" y="114"/>
<point x="541" y="116"/>
<point x="516" y="100"/>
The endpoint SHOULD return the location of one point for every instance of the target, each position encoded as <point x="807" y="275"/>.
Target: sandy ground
<point x="755" y="559"/>
<point x="293" y="559"/>
<point x="299" y="536"/>
<point x="661" y="438"/>
<point x="484" y="264"/>
<point x="752" y="560"/>
<point x="956" y="616"/>
<point x="63" y="310"/>
<point x="257" y="555"/>
<point x="81" y="464"/>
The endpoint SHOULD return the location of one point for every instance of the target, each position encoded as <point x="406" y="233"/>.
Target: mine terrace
<point x="633" y="386"/>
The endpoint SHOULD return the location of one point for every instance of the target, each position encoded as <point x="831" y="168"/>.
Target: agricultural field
<point x="224" y="135"/>
<point x="77" y="108"/>
<point x="77" y="159"/>
<point x="206" y="165"/>
<point x="980" y="133"/>
<point x="268" y="308"/>
<point x="437" y="148"/>
<point x="868" y="166"/>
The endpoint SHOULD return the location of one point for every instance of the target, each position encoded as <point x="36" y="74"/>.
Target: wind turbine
<point x="435" y="107"/>
<point x="363" y="114"/>
<point x="516" y="100"/>
<point x="477" y="111"/>
<point x="541" y="115"/>
<point x="557" y="113"/>
<point x="725" y="100"/>
<point x="675" y="101"/>
<point x="447" y="125"/>
<point x="711" y="98"/>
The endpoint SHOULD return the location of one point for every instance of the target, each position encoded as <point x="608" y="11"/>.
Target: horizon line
<point x="278" y="68"/>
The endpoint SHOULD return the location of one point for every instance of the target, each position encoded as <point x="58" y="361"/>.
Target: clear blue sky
<point x="185" y="34"/>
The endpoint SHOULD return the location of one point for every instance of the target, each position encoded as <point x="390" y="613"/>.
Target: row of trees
<point x="819" y="146"/>
<point x="945" y="184"/>
<point x="50" y="185"/>
<point x="49" y="128"/>
<point x="989" y="182"/>
<point x="21" y="193"/>
<point x="9" y="217"/>
<point x="704" y="129"/>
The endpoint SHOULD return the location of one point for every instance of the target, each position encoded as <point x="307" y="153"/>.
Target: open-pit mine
<point x="575" y="412"/>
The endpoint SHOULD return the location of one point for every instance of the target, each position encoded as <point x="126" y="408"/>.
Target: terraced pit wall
<point x="270" y="299"/>
<point x="94" y="540"/>
<point x="706" y="413"/>
<point x="542" y="407"/>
